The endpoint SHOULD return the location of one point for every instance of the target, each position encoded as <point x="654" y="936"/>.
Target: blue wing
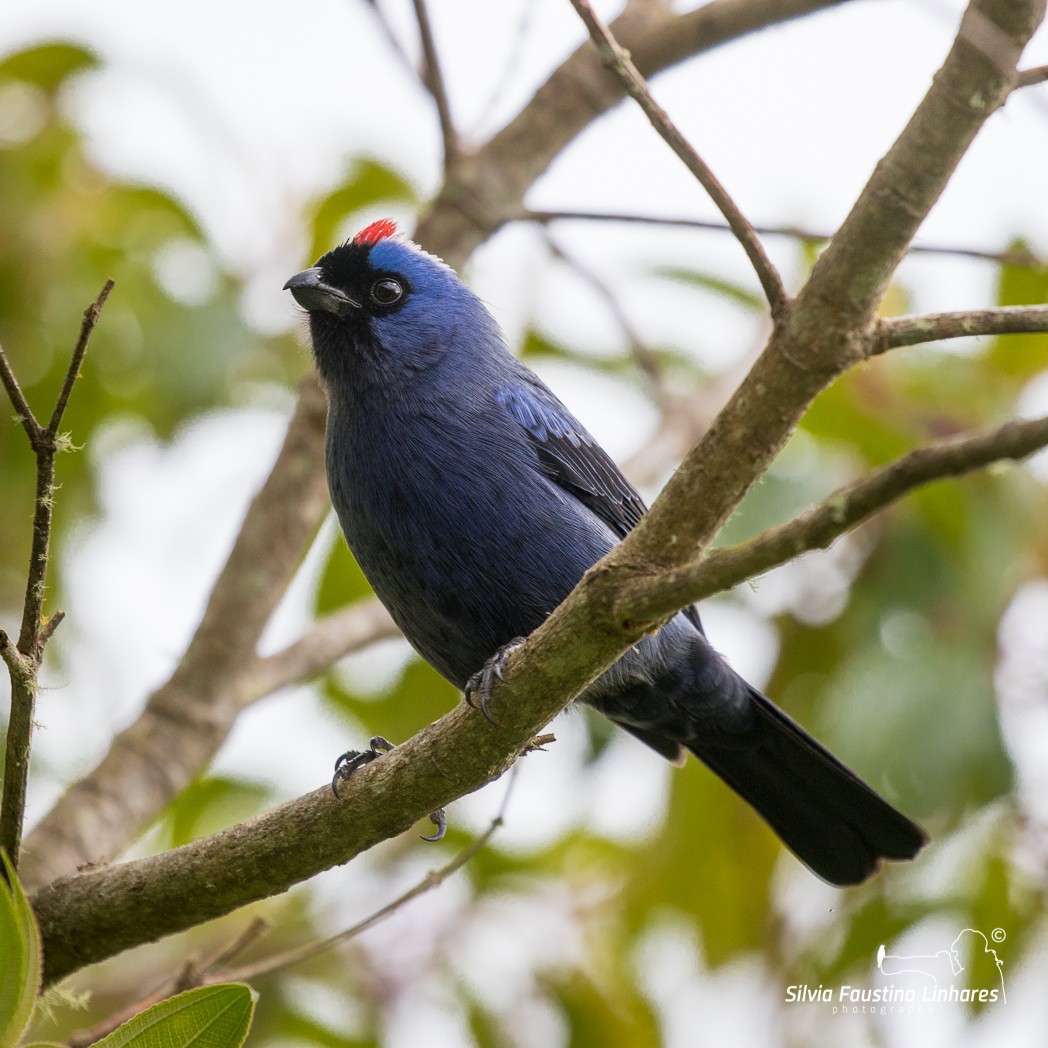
<point x="569" y="456"/>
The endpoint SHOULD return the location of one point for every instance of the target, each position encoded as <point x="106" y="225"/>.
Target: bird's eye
<point x="386" y="291"/>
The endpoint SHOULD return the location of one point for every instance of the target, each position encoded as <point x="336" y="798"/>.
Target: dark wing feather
<point x="571" y="457"/>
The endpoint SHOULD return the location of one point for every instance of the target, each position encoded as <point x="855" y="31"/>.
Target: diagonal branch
<point x="842" y="511"/>
<point x="1032" y="76"/>
<point x="328" y="640"/>
<point x="100" y="912"/>
<point x="830" y="325"/>
<point x="24" y="413"/>
<point x="95" y="821"/>
<point x="433" y="79"/>
<point x="217" y="969"/>
<point x="618" y="60"/>
<point x="892" y="332"/>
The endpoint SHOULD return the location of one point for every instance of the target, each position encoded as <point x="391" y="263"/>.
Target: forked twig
<point x="23" y="659"/>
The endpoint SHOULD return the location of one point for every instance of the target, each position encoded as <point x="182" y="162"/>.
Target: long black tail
<point x="824" y="813"/>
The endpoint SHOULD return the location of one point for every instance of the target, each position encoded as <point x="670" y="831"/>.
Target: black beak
<point x="311" y="293"/>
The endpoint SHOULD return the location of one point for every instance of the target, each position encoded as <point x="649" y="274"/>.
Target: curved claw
<point x="481" y="683"/>
<point x="440" y="820"/>
<point x="349" y="761"/>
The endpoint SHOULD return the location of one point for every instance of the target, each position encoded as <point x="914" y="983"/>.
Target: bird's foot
<point x="477" y="692"/>
<point x="351" y="760"/>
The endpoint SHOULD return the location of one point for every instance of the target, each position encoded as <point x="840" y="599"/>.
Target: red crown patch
<point x="369" y="236"/>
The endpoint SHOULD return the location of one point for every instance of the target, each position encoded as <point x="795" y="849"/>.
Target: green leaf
<point x="420" y="697"/>
<point x="712" y="861"/>
<point x="20" y="950"/>
<point x="49" y="65"/>
<point x="341" y="581"/>
<point x="368" y="183"/>
<point x="718" y="285"/>
<point x="211" y="803"/>
<point x="1020" y="356"/>
<point x="210" y="1017"/>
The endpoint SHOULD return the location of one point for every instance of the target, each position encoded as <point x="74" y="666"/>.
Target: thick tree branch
<point x="98" y="913"/>
<point x="892" y="332"/>
<point x="829" y="327"/>
<point x="842" y="511"/>
<point x="99" y="817"/>
<point x="617" y="59"/>
<point x="216" y="969"/>
<point x="89" y="917"/>
<point x="23" y="660"/>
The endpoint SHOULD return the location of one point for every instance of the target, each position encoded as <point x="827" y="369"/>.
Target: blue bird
<point x="474" y="501"/>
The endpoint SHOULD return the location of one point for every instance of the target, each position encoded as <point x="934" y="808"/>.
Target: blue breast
<point x="456" y="527"/>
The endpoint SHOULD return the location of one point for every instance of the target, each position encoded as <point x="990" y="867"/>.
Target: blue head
<point x="380" y="308"/>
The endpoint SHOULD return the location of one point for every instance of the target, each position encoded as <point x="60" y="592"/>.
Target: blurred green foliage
<point x="65" y="227"/>
<point x="899" y="681"/>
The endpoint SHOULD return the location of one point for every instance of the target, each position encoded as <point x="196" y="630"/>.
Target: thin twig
<point x="213" y="970"/>
<point x="508" y="69"/>
<point x="847" y="507"/>
<point x="1031" y="77"/>
<point x="892" y="332"/>
<point x="433" y="79"/>
<point x="431" y="880"/>
<point x="617" y="59"/>
<point x="236" y="946"/>
<point x="186" y="718"/>
<point x="1019" y="256"/>
<point x="23" y="660"/>
<point x="642" y="352"/>
<point x="46" y="448"/>
<point x="391" y="37"/>
<point x="24" y="413"/>
<point x="91" y="315"/>
<point x="329" y="639"/>
<point x="193" y="974"/>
